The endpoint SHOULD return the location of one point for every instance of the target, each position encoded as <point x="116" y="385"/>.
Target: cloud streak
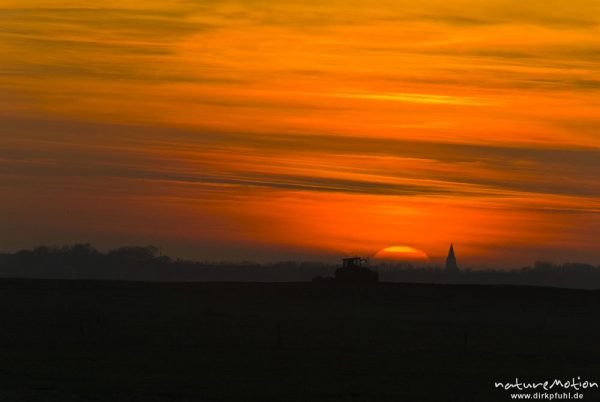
<point x="416" y="98"/>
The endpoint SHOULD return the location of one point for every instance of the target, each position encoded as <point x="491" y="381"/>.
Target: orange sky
<point x="298" y="129"/>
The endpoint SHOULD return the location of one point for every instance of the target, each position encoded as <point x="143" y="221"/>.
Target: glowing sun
<point x="401" y="253"/>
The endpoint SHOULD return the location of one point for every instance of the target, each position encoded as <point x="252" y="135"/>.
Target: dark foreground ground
<point x="117" y="341"/>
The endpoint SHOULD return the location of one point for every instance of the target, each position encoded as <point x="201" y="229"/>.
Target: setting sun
<point x="401" y="253"/>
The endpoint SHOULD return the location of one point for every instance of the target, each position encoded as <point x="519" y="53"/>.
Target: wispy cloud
<point x="415" y="98"/>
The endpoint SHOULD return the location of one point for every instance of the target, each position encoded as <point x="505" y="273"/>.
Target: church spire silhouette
<point x="451" y="260"/>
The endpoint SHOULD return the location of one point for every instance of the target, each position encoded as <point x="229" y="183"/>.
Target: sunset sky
<point x="278" y="130"/>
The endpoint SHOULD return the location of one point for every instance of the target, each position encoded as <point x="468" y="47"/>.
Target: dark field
<point x="119" y="341"/>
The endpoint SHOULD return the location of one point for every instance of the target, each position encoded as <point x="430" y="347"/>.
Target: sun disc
<point x="401" y="253"/>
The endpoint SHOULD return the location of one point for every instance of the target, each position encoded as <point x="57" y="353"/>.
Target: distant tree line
<point x="145" y="263"/>
<point x="568" y="275"/>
